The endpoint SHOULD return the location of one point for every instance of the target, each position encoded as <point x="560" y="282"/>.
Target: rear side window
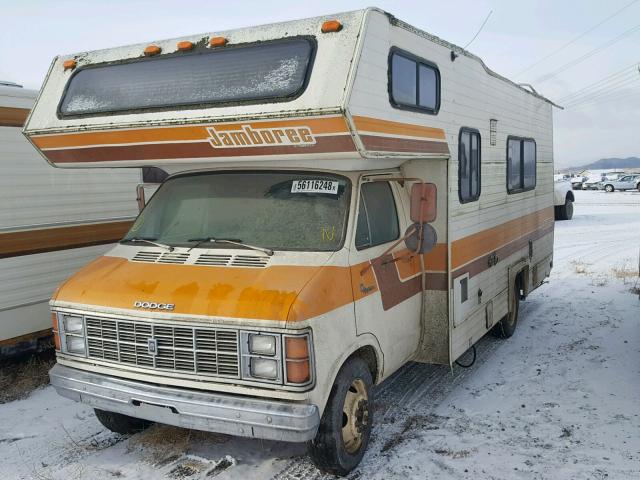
<point x="414" y="83"/>
<point x="268" y="70"/>
<point x="377" y="216"/>
<point x="469" y="161"/>
<point x="521" y="164"/>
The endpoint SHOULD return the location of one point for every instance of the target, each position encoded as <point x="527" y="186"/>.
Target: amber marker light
<point x="331" y="26"/>
<point x="218" y="42"/>
<point x="297" y="358"/>
<point x="69" y="64"/>
<point x="56" y="333"/>
<point x="185" y="46"/>
<point x="152" y="50"/>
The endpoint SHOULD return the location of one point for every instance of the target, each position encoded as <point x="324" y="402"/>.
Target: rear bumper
<point x="230" y="414"/>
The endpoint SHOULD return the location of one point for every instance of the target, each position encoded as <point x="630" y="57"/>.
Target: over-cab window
<point x="276" y="70"/>
<point x="377" y="216"/>
<point x="521" y="164"/>
<point x="414" y="83"/>
<point x="469" y="161"/>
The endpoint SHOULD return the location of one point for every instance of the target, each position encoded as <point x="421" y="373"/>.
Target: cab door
<point x="386" y="290"/>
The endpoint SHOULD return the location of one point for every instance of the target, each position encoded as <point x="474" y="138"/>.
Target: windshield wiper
<point x="149" y="241"/>
<point x="234" y="241"/>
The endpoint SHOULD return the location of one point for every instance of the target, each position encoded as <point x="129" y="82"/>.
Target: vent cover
<point x="178" y="258"/>
<point x="219" y="260"/>
<point x="146" y="257"/>
<point x="249" y="261"/>
<point x="206" y="259"/>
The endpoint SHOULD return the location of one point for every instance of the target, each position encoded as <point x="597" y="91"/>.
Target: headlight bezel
<point x="67" y="336"/>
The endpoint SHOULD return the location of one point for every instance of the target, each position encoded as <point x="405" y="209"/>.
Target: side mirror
<point x="140" y="196"/>
<point x="420" y="238"/>
<point x="423" y="202"/>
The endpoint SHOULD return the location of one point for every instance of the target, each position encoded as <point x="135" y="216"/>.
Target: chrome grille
<point x="197" y="350"/>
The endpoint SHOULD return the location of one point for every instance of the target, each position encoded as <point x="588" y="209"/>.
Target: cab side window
<point x="377" y="216"/>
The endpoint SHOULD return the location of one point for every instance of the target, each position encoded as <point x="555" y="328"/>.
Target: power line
<point x="607" y="86"/>
<point x="480" y="29"/>
<point x="606" y="94"/>
<point x="625" y="96"/>
<point x="571" y="42"/>
<point x="587" y="55"/>
<point x="623" y="71"/>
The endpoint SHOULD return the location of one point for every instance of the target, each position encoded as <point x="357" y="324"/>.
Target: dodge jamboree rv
<point x="52" y="222"/>
<point x="346" y="194"/>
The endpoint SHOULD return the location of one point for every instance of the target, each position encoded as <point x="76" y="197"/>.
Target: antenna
<point x="478" y="32"/>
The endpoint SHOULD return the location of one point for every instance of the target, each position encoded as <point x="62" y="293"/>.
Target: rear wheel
<point x="608" y="188"/>
<point x="345" y="427"/>
<point x="565" y="212"/>
<point x="119" y="423"/>
<point x="506" y="327"/>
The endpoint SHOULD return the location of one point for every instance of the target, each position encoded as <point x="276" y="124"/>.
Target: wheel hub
<point x="355" y="416"/>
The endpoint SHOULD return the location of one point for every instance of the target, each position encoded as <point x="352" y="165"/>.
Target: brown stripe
<point x="389" y="144"/>
<point x="13" y="117"/>
<point x="368" y="124"/>
<point x="340" y="143"/>
<point x="28" y="337"/>
<point x="481" y="264"/>
<point x="15" y="244"/>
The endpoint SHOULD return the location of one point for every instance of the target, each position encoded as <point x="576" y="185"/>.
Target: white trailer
<point x="348" y="193"/>
<point x="52" y="222"/>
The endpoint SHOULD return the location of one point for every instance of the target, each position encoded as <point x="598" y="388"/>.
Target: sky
<point x="517" y="34"/>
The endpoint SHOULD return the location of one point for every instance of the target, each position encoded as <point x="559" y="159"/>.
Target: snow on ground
<point x="558" y="400"/>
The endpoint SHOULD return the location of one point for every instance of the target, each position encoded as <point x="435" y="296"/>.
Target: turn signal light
<point x="69" y="64"/>
<point x="218" y="42"/>
<point x="331" y="26"/>
<point x="152" y="50"/>
<point x="56" y="332"/>
<point x="297" y="358"/>
<point x="185" y="46"/>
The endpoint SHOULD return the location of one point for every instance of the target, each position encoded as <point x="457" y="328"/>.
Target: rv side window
<point x="377" y="216"/>
<point x="414" y="83"/>
<point x="469" y="161"/>
<point x="521" y="164"/>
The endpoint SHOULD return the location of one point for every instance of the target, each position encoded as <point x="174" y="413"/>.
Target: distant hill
<point x="613" y="163"/>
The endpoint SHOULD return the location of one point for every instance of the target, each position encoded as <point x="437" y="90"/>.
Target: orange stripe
<point x="468" y="248"/>
<point x="176" y="134"/>
<point x="368" y="124"/>
<point x="13" y="117"/>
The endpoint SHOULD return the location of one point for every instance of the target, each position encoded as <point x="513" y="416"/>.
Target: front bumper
<point x="230" y="414"/>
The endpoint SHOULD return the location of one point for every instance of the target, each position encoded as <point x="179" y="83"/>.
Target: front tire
<point x="565" y="212"/>
<point x="345" y="427"/>
<point x="608" y="188"/>
<point x="119" y="423"/>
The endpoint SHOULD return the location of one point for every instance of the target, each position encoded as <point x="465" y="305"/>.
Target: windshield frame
<point x="347" y="192"/>
<point x="198" y="50"/>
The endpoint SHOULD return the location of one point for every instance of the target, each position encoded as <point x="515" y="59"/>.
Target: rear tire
<point x="565" y="212"/>
<point x="119" y="423"/>
<point x="345" y="427"/>
<point x="608" y="188"/>
<point x="506" y="327"/>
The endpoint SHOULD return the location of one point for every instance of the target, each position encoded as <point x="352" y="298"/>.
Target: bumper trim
<point x="213" y="412"/>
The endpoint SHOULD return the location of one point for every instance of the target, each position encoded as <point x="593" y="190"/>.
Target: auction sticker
<point x="314" y="186"/>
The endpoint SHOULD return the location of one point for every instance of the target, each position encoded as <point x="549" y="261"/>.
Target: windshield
<point x="276" y="210"/>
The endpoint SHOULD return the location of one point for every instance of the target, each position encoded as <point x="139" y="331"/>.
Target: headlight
<point x="264" y="368"/>
<point x="75" y="345"/>
<point x="262" y="344"/>
<point x="72" y="324"/>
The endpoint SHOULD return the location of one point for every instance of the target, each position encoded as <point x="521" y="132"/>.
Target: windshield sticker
<point x="314" y="186"/>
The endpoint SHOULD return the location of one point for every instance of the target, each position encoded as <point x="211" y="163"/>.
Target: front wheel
<point x="345" y="427"/>
<point x="119" y="423"/>
<point x="608" y="188"/>
<point x="565" y="212"/>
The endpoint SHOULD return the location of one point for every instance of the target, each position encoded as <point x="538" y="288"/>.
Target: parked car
<point x="577" y="181"/>
<point x="563" y="199"/>
<point x="592" y="181"/>
<point x="627" y="182"/>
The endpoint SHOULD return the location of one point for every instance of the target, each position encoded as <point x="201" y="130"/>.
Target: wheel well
<point x="368" y="354"/>
<point x="570" y="196"/>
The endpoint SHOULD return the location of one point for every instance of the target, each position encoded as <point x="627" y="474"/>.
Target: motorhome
<point x="346" y="194"/>
<point x="52" y="222"/>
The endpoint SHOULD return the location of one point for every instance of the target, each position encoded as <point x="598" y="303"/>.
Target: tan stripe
<point x="14" y="244"/>
<point x="469" y="248"/>
<point x="13" y="117"/>
<point x="177" y="134"/>
<point x="368" y="124"/>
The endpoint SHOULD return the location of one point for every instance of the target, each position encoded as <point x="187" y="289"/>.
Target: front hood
<point x="270" y="293"/>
